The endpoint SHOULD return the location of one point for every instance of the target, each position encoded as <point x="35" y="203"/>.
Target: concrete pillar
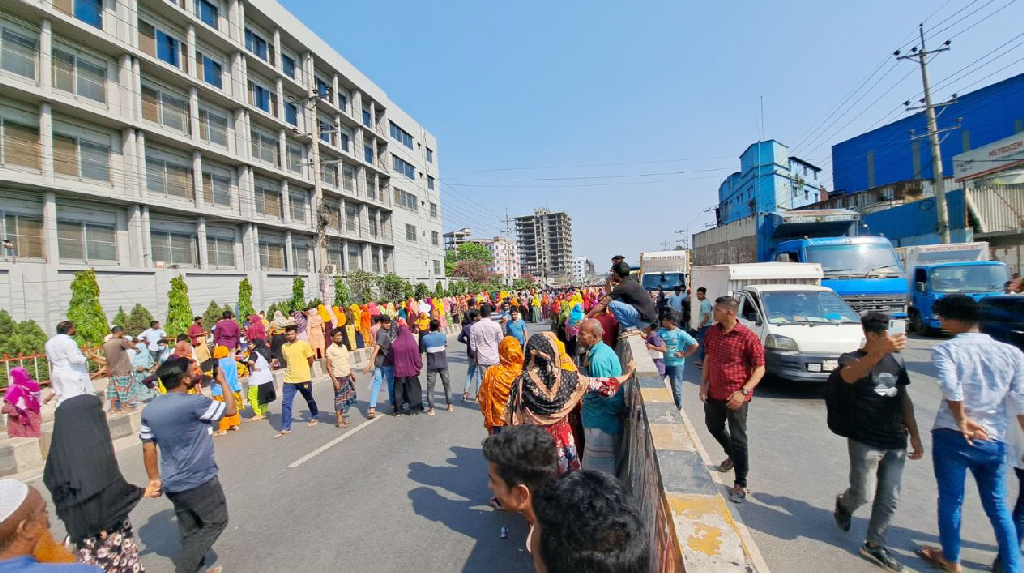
<point x="335" y="100"/>
<point x="136" y="87"/>
<point x="126" y="82"/>
<point x="239" y="247"/>
<point x="246" y="197"/>
<point x="50" y="250"/>
<point x="46" y="140"/>
<point x="190" y="53"/>
<point x="197" y="179"/>
<point x="360" y="181"/>
<point x="286" y="202"/>
<point x="193" y="112"/>
<point x="279" y="88"/>
<point x="357" y="105"/>
<point x="147" y="248"/>
<point x="129" y="177"/>
<point x="140" y="146"/>
<point x="46" y="55"/>
<point x="204" y="258"/>
<point x="289" y="260"/>
<point x="344" y="255"/>
<point x="282" y="145"/>
<point x="135" y="236"/>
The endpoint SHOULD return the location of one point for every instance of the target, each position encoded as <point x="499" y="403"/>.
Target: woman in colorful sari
<point x="21" y="404"/>
<point x="357" y="325"/>
<point x="493" y="394"/>
<point x="227" y="370"/>
<point x="548" y="390"/>
<point x="315" y="326"/>
<point x="256" y="329"/>
<point x="350" y="329"/>
<point x="364" y="325"/>
<point x="300" y="321"/>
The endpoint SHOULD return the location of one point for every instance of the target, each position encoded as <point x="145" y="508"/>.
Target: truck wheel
<point x="917" y="324"/>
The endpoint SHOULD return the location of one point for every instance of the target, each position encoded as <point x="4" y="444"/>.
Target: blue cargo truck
<point x="864" y="270"/>
<point x="935" y="271"/>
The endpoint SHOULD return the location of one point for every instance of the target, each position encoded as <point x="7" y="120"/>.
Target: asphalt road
<point x="397" y="494"/>
<point x="798" y="467"/>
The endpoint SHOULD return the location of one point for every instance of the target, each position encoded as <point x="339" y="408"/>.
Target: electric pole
<point x="921" y="56"/>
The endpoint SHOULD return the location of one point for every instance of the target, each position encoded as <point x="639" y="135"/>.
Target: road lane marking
<point x="332" y="443"/>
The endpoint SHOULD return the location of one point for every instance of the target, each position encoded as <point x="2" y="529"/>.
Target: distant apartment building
<point x="769" y="179"/>
<point x="545" y="245"/>
<point x="452" y="239"/>
<point x="211" y="139"/>
<point x="582" y="270"/>
<point x="506" y="258"/>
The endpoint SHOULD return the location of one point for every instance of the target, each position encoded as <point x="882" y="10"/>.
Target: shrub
<point x="211" y="315"/>
<point x="138" y="320"/>
<point x="179" y="309"/>
<point x="298" y="293"/>
<point x="342" y="296"/>
<point x="245" y="308"/>
<point x="85" y="310"/>
<point x="120" y="318"/>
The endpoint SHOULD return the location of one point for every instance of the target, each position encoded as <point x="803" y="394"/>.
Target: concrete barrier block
<point x="19" y="455"/>
<point x="125" y="425"/>
<point x="706" y="532"/>
<point x="45" y="439"/>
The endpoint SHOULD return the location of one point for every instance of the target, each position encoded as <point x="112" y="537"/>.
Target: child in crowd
<point x="656" y="346"/>
<point x="520" y="461"/>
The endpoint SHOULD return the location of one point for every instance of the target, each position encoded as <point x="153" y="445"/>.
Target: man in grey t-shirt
<point x="180" y="425"/>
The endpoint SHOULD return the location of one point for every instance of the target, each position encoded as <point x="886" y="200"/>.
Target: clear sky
<point x="628" y="115"/>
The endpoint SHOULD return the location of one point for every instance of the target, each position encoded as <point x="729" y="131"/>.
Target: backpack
<point x="839" y="400"/>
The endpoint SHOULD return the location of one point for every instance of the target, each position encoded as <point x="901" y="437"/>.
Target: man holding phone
<point x="878" y="417"/>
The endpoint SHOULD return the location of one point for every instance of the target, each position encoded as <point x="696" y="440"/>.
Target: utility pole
<point x="921" y="56"/>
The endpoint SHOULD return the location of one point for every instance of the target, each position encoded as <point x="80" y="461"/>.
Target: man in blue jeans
<point x="474" y="374"/>
<point x="982" y="382"/>
<point x="380" y="364"/>
<point x="678" y="347"/>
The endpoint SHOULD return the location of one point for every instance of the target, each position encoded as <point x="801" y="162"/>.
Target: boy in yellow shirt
<point x="298" y="355"/>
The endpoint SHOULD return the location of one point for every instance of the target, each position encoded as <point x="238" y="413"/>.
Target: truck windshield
<point x="969" y="278"/>
<point x="855" y="260"/>
<point x="666" y="281"/>
<point x="807" y="307"/>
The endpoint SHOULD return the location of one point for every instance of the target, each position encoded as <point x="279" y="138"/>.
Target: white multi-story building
<point x="506" y="258"/>
<point x="579" y="270"/>
<point x="216" y="139"/>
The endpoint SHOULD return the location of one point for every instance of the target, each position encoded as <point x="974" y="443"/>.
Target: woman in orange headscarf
<point x="493" y="394"/>
<point x="365" y="322"/>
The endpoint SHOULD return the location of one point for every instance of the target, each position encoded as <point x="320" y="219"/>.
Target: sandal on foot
<point x="725" y="466"/>
<point x="312" y="423"/>
<point x="451" y="408"/>
<point x="282" y="433"/>
<point x="933" y="555"/>
<point x="371" y="414"/>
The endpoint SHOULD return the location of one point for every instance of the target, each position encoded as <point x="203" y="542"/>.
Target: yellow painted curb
<point x="707" y="522"/>
<point x="671" y="437"/>
<point x="657" y="395"/>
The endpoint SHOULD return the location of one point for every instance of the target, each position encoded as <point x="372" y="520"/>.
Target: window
<point x="213" y="127"/>
<point x="410" y="232"/>
<point x="434" y="238"/>
<point x="291" y="113"/>
<point x="212" y="71"/>
<point x="168" y="48"/>
<point x="272" y="254"/>
<point x="263" y="98"/>
<point x="165" y="107"/>
<point x="216" y="185"/>
<point x="268" y="199"/>
<point x="86" y="242"/>
<point x="368" y="153"/>
<point x="371" y="214"/>
<point x="430" y="183"/>
<point x="257" y="45"/>
<point x="208" y="13"/>
<point x="355" y="257"/>
<point x="173" y="248"/>
<point x="335" y="255"/>
<point x="348" y="178"/>
<point x="400" y="135"/>
<point x="77" y="75"/>
<point x="19" y="144"/>
<point x="351" y="217"/>
<point x="329" y="173"/>
<point x="300" y="253"/>
<point x="265" y="148"/>
<point x="344" y="141"/>
<point x="76" y="157"/>
<point x="437" y="267"/>
<point x="375" y="260"/>
<point x="343" y="101"/>
<point x="323" y="89"/>
<point x="88" y="11"/>
<point x="168" y="177"/>
<point x="220" y="250"/>
<point x="295" y="160"/>
<point x="366" y="117"/>
<point x="371" y="187"/>
<point x="298" y="204"/>
<point x="332" y="213"/>
<point x="404" y="167"/>
<point x="433" y="210"/>
<point x="26" y="233"/>
<point x="288" y="66"/>
<point x="407" y="200"/>
<point x="326" y="130"/>
<point x="18" y="51"/>
<point x="430" y="155"/>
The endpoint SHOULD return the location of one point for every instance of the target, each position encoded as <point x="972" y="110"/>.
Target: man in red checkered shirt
<point x="733" y="367"/>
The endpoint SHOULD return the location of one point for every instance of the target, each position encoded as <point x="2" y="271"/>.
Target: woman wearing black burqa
<point x="89" y="493"/>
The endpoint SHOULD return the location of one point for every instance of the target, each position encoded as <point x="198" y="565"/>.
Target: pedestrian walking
<point x="178" y="452"/>
<point x="873" y="411"/>
<point x="494" y="390"/>
<point x="602" y="428"/>
<point x="473" y="373"/>
<point x="69" y="372"/>
<point x="21" y="405"/>
<point x="734" y="369"/>
<point x="227" y="332"/>
<point x="88" y="490"/>
<point x="226" y="369"/>
<point x="120" y="381"/>
<point x="982" y="381"/>
<point x="260" y="391"/>
<point x="678" y="347"/>
<point x="484" y="338"/>
<point x="435" y="345"/>
<point x="515" y="327"/>
<point x="298" y="377"/>
<point x="656" y="348"/>
<point x="339" y="368"/>
<point x="380" y="363"/>
<point x="152" y="336"/>
<point x="405" y="354"/>
<point x="704" y="317"/>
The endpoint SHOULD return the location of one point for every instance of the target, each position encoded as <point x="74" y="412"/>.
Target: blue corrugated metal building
<point x="887" y="154"/>
<point x="916" y="223"/>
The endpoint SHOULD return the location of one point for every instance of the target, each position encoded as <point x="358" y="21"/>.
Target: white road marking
<point x="332" y="443"/>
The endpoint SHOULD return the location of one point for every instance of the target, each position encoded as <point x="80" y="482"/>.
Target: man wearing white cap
<point x="26" y="544"/>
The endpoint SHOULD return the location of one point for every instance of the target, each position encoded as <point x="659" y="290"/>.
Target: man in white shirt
<point x="69" y="372"/>
<point x="484" y="338"/>
<point x="152" y="336"/>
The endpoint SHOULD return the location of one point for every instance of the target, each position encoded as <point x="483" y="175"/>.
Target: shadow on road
<point x="160" y="535"/>
<point x="456" y="495"/>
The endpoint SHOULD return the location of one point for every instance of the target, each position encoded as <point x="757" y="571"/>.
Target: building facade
<point x="216" y="139"/>
<point x="769" y="179"/>
<point x="545" y="245"/>
<point x="582" y="270"/>
<point x="506" y="258"/>
<point x="452" y="239"/>
<point x="889" y="154"/>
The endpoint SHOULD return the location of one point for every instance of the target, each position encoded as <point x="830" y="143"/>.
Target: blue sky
<point x="629" y="115"/>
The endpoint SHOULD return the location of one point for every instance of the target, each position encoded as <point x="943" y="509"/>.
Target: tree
<point x="390" y="287"/>
<point x="342" y="295"/>
<point x="439" y="290"/>
<point x="475" y="271"/>
<point x="120" y="318"/>
<point x="245" y="308"/>
<point x="466" y="252"/>
<point x="179" y="309"/>
<point x="211" y="315"/>
<point x="407" y="290"/>
<point x="20" y="338"/>
<point x="420" y="291"/>
<point x="85" y="310"/>
<point x="138" y="320"/>
<point x="524" y="283"/>
<point x="362" y="285"/>
<point x="298" y="294"/>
